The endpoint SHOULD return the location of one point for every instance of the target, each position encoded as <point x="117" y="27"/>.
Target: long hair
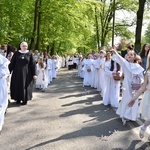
<point x="9" y="49"/>
<point x="41" y="63"/>
<point x="112" y="66"/>
<point x="142" y="53"/>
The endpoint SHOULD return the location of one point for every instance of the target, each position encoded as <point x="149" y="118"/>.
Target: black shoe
<point x="24" y="103"/>
<point x="5" y="111"/>
<point x="18" y="102"/>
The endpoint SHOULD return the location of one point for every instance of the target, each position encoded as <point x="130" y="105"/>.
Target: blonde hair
<point x="108" y="54"/>
<point x="41" y="63"/>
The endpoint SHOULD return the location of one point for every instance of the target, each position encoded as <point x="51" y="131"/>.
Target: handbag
<point x="136" y="85"/>
<point x="117" y="76"/>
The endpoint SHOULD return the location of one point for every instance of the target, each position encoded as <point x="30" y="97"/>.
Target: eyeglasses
<point x="24" y="45"/>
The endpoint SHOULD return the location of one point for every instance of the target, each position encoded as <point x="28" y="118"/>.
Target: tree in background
<point x="139" y="22"/>
<point x="62" y="26"/>
<point x="146" y="38"/>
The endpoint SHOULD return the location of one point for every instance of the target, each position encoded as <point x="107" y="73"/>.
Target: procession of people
<point x="110" y="73"/>
<point x="116" y="76"/>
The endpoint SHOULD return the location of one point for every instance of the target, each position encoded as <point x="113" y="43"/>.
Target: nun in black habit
<point x="23" y="69"/>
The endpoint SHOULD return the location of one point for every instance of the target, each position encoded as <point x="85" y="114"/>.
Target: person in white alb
<point x="49" y="69"/>
<point x="4" y="73"/>
<point x="145" y="104"/>
<point x="131" y="69"/>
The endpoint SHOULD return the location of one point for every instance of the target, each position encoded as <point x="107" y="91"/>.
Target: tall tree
<point x="140" y="13"/>
<point x="147" y="34"/>
<point x="97" y="29"/>
<point x="38" y="25"/>
<point x="32" y="42"/>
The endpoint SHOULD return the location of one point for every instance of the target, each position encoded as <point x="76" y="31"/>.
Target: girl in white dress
<point x="115" y="88"/>
<point x="145" y="103"/>
<point x="87" y="69"/>
<point x="4" y="73"/>
<point x="49" y="69"/>
<point x="41" y="76"/>
<point x="82" y="65"/>
<point x="94" y="82"/>
<point x="79" y="65"/>
<point x="101" y="73"/>
<point x="111" y="95"/>
<point x="106" y="94"/>
<point x="130" y="69"/>
<point x="54" y="66"/>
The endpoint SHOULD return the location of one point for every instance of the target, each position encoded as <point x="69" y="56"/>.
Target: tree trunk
<point x="35" y="25"/>
<point x="58" y="51"/>
<point x="113" y="26"/>
<point x="105" y="18"/>
<point x="97" y="30"/>
<point x="140" y="13"/>
<point x="38" y="26"/>
<point x="52" y="49"/>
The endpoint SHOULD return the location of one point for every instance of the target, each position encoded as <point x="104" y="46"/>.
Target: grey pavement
<point x="68" y="116"/>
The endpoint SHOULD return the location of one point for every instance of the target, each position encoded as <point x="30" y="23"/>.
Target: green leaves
<point x="64" y="24"/>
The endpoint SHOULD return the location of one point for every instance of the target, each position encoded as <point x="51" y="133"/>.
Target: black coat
<point x="23" y="69"/>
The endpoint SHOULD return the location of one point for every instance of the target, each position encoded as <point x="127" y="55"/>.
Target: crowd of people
<point x="116" y="74"/>
<point x="109" y="72"/>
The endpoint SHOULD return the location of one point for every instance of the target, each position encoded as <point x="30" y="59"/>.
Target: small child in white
<point x="41" y="76"/>
<point x="145" y="104"/>
<point x="130" y="69"/>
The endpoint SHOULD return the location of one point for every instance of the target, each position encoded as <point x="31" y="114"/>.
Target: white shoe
<point x="142" y="131"/>
<point x="124" y="121"/>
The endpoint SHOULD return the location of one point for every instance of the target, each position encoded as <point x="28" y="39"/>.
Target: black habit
<point x="23" y="69"/>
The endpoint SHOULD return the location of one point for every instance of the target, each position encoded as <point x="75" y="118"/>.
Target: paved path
<point x="67" y="117"/>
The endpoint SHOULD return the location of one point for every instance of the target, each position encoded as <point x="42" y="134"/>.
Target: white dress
<point x="129" y="70"/>
<point x="49" y="70"/>
<point x="115" y="89"/>
<point x="4" y="73"/>
<point x="112" y="87"/>
<point x="79" y="67"/>
<point x="101" y="76"/>
<point x="106" y="94"/>
<point x="39" y="81"/>
<point x="59" y="62"/>
<point x="145" y="103"/>
<point x="54" y="68"/>
<point x="95" y="73"/>
<point x="82" y="65"/>
<point x="87" y="75"/>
